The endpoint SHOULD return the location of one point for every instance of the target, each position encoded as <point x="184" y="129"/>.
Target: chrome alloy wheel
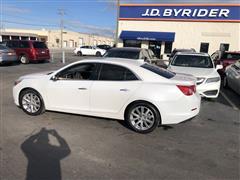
<point x="142" y="118"/>
<point x="31" y="103"/>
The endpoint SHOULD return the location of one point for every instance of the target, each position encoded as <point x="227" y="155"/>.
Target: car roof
<point x="132" y="49"/>
<point x="117" y="61"/>
<point x="192" y="53"/>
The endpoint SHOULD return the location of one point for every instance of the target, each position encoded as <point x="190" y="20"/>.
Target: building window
<point x="75" y="44"/>
<point x="80" y="41"/>
<point x="64" y="43"/>
<point x="15" y="37"/>
<point x="95" y="42"/>
<point x="5" y="38"/>
<point x="204" y="47"/>
<point x="168" y="47"/>
<point x="33" y="38"/>
<point x="131" y="43"/>
<point x="71" y="43"/>
<point x="224" y="47"/>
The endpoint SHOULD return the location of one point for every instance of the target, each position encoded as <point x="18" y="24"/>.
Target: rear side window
<point x="160" y="71"/>
<point x="24" y="44"/>
<point x="39" y="45"/>
<point x="116" y="73"/>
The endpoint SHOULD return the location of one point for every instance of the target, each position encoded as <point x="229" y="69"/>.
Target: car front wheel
<point x="79" y="53"/>
<point x="98" y="54"/>
<point x="31" y="102"/>
<point x="143" y="117"/>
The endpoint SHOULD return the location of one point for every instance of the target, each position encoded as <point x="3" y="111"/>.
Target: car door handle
<point x="124" y="90"/>
<point x="82" y="88"/>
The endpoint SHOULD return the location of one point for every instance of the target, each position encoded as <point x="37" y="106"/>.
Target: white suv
<point x="89" y="50"/>
<point x="202" y="67"/>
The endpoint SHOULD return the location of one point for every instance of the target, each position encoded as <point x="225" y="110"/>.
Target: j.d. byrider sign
<point x="181" y="12"/>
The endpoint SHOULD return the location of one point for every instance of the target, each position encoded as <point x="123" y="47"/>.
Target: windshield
<point x="122" y="54"/>
<point x="160" y="71"/>
<point x="39" y="45"/>
<point x="192" y="61"/>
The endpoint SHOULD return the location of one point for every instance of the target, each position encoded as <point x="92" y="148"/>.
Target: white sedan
<point x="201" y="66"/>
<point x="142" y="94"/>
<point x="89" y="50"/>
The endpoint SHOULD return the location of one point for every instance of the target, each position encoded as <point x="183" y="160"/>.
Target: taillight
<point x="33" y="51"/>
<point x="187" y="90"/>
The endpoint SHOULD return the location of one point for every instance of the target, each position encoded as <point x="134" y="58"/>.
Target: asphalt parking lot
<point x="207" y="147"/>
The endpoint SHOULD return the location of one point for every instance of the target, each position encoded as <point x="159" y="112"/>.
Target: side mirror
<point x="219" y="66"/>
<point x="166" y="63"/>
<point x="168" y="55"/>
<point x="54" y="78"/>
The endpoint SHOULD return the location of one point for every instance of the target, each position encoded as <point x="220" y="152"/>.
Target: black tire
<point x="26" y="105"/>
<point x="154" y="113"/>
<point x="24" y="59"/>
<point x="225" y="82"/>
<point x="98" y="54"/>
<point x="79" y="53"/>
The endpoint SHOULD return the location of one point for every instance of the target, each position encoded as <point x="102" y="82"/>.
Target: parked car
<point x="7" y="55"/>
<point x="134" y="53"/>
<point x="232" y="77"/>
<point x="29" y="51"/>
<point x="201" y="66"/>
<point x="225" y="58"/>
<point x="142" y="94"/>
<point x="89" y="50"/>
<point x="104" y="46"/>
<point x="180" y="50"/>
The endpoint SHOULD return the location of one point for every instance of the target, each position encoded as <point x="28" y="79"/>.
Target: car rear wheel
<point x="143" y="117"/>
<point x="24" y="59"/>
<point x="31" y="102"/>
<point x="98" y="54"/>
<point x="79" y="53"/>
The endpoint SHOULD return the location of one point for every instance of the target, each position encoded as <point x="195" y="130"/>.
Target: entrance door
<point x="155" y="46"/>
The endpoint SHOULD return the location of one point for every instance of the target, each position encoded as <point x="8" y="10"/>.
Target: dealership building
<point x="163" y="27"/>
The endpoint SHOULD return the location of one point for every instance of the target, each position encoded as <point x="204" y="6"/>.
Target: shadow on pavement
<point x="43" y="157"/>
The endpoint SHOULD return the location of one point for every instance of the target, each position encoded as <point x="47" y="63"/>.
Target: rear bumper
<point x="182" y="109"/>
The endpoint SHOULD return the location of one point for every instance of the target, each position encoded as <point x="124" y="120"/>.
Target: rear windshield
<point x="39" y="45"/>
<point x="234" y="56"/>
<point x="122" y="54"/>
<point x="192" y="61"/>
<point x="160" y="71"/>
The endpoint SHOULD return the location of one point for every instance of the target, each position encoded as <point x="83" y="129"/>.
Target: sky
<point x="88" y="16"/>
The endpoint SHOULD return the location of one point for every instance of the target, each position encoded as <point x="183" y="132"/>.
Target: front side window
<point x="160" y="71"/>
<point x="192" y="61"/>
<point x="111" y="72"/>
<point x="86" y="71"/>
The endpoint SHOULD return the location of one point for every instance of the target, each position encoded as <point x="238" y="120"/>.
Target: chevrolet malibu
<point x="201" y="66"/>
<point x="142" y="94"/>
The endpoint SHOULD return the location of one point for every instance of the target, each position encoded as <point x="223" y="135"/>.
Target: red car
<point x="225" y="58"/>
<point x="29" y="51"/>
